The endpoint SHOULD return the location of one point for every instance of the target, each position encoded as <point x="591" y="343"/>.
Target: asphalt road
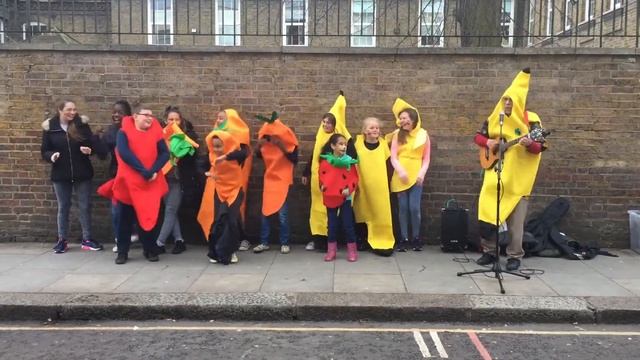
<point x="212" y="340"/>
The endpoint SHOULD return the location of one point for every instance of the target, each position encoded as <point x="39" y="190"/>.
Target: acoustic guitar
<point x="489" y="157"/>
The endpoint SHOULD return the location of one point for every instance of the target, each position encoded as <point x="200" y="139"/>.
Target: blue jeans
<point x="283" y="218"/>
<point x="344" y="215"/>
<point x="63" y="190"/>
<point x="171" y="224"/>
<point x="409" y="209"/>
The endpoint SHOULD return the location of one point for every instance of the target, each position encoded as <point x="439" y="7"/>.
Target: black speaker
<point x="454" y="227"/>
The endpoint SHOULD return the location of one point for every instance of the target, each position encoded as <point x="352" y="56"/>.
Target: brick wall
<point x="589" y="100"/>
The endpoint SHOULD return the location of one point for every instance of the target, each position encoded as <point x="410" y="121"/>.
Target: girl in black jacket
<point x="67" y="143"/>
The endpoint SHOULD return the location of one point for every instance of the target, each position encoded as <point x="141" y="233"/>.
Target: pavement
<point x="36" y="284"/>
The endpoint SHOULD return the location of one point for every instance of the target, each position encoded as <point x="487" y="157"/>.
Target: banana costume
<point x="411" y="153"/>
<point x="318" y="213"/>
<point x="371" y="202"/>
<point x="520" y="167"/>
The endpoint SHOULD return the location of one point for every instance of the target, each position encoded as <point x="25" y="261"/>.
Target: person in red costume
<point x="338" y="181"/>
<point x="139" y="184"/>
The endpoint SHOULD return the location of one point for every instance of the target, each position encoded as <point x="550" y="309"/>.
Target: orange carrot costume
<point x="240" y="130"/>
<point x="278" y="173"/>
<point x="224" y="180"/>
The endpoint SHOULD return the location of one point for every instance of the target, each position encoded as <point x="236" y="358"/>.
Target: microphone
<point x="501" y="118"/>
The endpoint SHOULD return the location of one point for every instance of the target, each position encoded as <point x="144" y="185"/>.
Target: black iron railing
<point x="324" y="23"/>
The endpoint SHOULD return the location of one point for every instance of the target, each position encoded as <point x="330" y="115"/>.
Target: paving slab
<point x="368" y="283"/>
<point x="159" y="280"/>
<point x="87" y="283"/>
<point x="227" y="283"/>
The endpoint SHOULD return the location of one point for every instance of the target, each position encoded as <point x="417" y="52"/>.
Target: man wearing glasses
<point x="139" y="184"/>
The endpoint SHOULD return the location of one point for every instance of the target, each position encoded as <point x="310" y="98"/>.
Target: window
<point x="614" y="4"/>
<point x="568" y="18"/>
<point x="549" y="17"/>
<point x="1" y="31"/>
<point x="432" y="23"/>
<point x="228" y="22"/>
<point x="30" y="30"/>
<point x="363" y="23"/>
<point x="295" y="22"/>
<point x="506" y="23"/>
<point x="588" y="9"/>
<point x="160" y="21"/>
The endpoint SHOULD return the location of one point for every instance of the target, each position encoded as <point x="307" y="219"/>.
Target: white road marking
<point x="421" y="344"/>
<point x="436" y="341"/>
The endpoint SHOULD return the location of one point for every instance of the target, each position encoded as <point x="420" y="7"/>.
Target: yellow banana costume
<point x="371" y="202"/>
<point x="520" y="167"/>
<point x="318" y="213"/>
<point x="410" y="154"/>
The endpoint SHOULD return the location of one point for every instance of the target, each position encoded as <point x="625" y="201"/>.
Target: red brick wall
<point x="589" y="100"/>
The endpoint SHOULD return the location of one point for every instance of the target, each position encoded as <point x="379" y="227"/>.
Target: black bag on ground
<point x="572" y="250"/>
<point x="540" y="226"/>
<point x="454" y="227"/>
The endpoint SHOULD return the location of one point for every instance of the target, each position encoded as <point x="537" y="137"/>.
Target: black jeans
<point x="125" y="226"/>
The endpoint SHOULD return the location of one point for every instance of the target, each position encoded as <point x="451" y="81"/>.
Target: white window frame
<point x="354" y="36"/>
<point x="168" y="21"/>
<point x="549" y="17"/>
<point x="423" y="10"/>
<point x="510" y="24"/>
<point x="568" y="13"/>
<point x="305" y="24"/>
<point x="236" y="36"/>
<point x="31" y="24"/>
<point x="586" y="15"/>
<point x="532" y="26"/>
<point x="1" y="31"/>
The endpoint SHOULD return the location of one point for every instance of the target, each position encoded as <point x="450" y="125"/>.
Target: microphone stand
<point x="496" y="269"/>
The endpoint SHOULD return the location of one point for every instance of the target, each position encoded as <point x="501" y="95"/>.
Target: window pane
<point x="161" y="5"/>
<point x="294" y="10"/>
<point x="295" y="34"/>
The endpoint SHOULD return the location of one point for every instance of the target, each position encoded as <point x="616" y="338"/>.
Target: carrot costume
<point x="278" y="173"/>
<point x="223" y="195"/>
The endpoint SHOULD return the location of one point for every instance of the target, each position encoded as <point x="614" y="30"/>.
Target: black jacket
<point x="72" y="165"/>
<point x="109" y="142"/>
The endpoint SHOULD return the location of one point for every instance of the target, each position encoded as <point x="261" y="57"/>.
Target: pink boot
<point x="352" y="252"/>
<point x="332" y="248"/>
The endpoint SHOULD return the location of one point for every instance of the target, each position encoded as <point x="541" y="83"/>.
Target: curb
<point x="319" y="307"/>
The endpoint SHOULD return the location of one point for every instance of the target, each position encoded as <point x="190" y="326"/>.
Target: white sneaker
<point x="234" y="258"/>
<point x="134" y="238"/>
<point x="213" y="261"/>
<point x="285" y="249"/>
<point x="115" y="248"/>
<point x="244" y="245"/>
<point x="310" y="246"/>
<point x="260" y="248"/>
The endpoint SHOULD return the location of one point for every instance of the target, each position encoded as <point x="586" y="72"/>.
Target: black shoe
<point x="402" y="246"/>
<point x="151" y="256"/>
<point x="121" y="259"/>
<point x="513" y="264"/>
<point x="179" y="247"/>
<point x="486" y="259"/>
<point x="416" y="244"/>
<point x="162" y="250"/>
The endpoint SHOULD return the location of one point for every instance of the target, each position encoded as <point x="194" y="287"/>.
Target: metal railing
<point x="324" y="23"/>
